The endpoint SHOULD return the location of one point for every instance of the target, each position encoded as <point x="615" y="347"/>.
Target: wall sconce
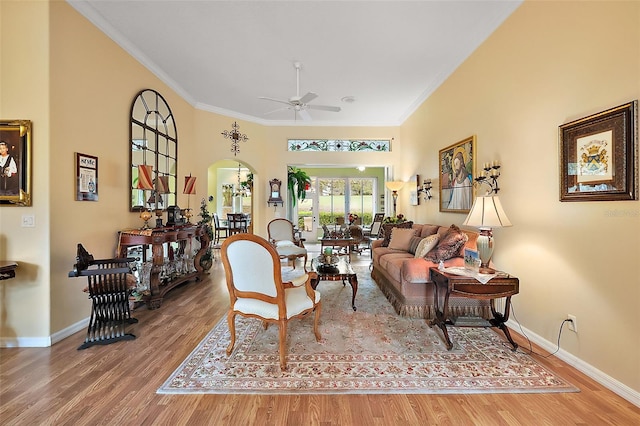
<point x="394" y="187"/>
<point x="425" y="189"/>
<point x="490" y="174"/>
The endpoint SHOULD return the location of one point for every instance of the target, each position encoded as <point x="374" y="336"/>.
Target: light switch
<point x="28" y="221"/>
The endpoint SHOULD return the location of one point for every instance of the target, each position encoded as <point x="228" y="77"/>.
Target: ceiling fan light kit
<point x="300" y="104"/>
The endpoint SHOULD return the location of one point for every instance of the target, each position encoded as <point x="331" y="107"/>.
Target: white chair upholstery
<point x="257" y="288"/>
<point x="283" y="238"/>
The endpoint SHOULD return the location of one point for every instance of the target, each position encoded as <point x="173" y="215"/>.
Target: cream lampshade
<point x="486" y="213"/>
<point x="394" y="187"/>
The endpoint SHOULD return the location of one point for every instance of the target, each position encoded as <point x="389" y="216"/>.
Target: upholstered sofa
<point x="404" y="278"/>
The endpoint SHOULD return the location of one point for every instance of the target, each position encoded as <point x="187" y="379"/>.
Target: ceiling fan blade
<point x="304" y="114"/>
<point x="308" y="97"/>
<point x="325" y="108"/>
<point x="276" y="110"/>
<point x="275" y="100"/>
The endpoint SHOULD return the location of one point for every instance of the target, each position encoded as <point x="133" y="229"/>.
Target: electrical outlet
<point x="573" y="323"/>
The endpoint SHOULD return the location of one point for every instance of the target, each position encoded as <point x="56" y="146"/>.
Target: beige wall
<point x="548" y="64"/>
<point x="24" y="94"/>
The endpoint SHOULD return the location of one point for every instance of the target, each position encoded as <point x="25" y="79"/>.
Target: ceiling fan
<point x="298" y="104"/>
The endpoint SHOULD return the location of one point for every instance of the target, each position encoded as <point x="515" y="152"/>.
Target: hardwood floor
<point x="116" y="384"/>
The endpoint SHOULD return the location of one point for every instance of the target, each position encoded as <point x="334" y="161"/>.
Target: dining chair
<point x="256" y="289"/>
<point x="237" y="223"/>
<point x="219" y="229"/>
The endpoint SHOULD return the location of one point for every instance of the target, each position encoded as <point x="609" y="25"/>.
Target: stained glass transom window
<point x="353" y="145"/>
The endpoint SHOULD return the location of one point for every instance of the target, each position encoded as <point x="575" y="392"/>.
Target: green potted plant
<point x="298" y="181"/>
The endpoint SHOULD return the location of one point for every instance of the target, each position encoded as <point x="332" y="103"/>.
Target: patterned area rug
<point x="372" y="350"/>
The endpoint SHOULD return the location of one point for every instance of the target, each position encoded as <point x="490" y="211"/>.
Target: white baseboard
<point x="43" y="342"/>
<point x="605" y="380"/>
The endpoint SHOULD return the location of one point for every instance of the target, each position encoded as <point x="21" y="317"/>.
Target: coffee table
<point x="342" y="271"/>
<point x="347" y="243"/>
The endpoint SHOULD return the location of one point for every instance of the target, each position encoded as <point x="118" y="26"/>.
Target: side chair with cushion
<point x="371" y="233"/>
<point x="282" y="236"/>
<point x="256" y="288"/>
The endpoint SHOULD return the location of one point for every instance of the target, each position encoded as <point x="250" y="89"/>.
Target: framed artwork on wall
<point x="599" y="156"/>
<point x="86" y="177"/>
<point x="457" y="165"/>
<point x="15" y="162"/>
<point x="414" y="200"/>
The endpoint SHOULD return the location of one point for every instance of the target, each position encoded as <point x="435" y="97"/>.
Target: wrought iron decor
<point x="236" y="137"/>
<point x="348" y="145"/>
<point x="599" y="156"/>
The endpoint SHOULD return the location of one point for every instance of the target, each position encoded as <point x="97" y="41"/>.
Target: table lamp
<point x="162" y="187"/>
<point x="189" y="189"/>
<point x="486" y="213"/>
<point x="145" y="183"/>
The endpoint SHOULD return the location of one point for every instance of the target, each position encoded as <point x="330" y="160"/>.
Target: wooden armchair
<point x="256" y="288"/>
<point x="288" y="246"/>
<point x="110" y="283"/>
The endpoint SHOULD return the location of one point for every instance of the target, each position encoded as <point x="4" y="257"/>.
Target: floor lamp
<point x="486" y="213"/>
<point x="394" y="187"/>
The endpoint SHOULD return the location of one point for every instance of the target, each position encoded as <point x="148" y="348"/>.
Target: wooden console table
<point x="157" y="238"/>
<point x="459" y="285"/>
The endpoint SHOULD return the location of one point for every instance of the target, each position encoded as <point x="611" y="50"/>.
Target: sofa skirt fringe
<point x="470" y="308"/>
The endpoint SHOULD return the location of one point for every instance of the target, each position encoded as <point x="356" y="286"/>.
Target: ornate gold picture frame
<point x="15" y="162"/>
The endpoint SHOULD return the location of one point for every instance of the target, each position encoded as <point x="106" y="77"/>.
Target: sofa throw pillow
<point x="385" y="231"/>
<point x="413" y="244"/>
<point x="448" y="246"/>
<point x="401" y="238"/>
<point x="426" y="245"/>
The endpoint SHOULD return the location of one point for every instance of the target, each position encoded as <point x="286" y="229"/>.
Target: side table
<point x="459" y="285"/>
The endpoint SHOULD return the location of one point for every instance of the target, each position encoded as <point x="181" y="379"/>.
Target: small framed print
<point x="86" y="177"/>
<point x="599" y="156"/>
<point x="471" y="260"/>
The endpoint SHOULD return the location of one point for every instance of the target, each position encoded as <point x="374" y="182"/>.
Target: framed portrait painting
<point x="599" y="156"/>
<point x="15" y="162"/>
<point x="457" y="173"/>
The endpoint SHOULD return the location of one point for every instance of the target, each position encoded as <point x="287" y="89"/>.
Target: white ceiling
<point x="221" y="56"/>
